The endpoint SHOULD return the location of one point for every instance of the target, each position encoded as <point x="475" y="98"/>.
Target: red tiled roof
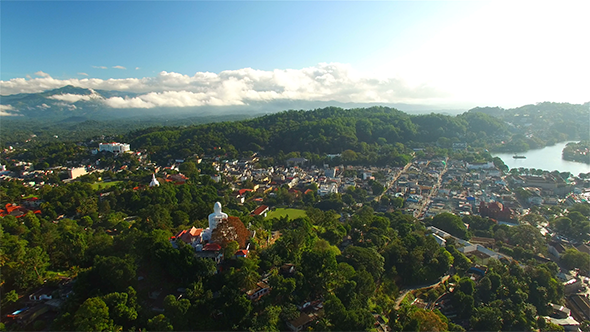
<point x="187" y="235"/>
<point x="259" y="210"/>
<point x="212" y="247"/>
<point x="15" y="210"/>
<point x="243" y="191"/>
<point x="242" y="252"/>
<point x="10" y="207"/>
<point x="196" y="231"/>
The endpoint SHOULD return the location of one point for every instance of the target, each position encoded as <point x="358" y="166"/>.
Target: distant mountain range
<point x="81" y="104"/>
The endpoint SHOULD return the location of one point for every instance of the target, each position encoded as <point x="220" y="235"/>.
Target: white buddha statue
<point x="216" y="216"/>
<point x="154" y="182"/>
<point x="214" y="219"/>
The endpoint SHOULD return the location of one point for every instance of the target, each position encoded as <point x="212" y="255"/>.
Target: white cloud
<point x="83" y="74"/>
<point x="4" y="108"/>
<point x="42" y="74"/>
<point x="119" y="67"/>
<point x="72" y="98"/>
<point x="324" y="82"/>
<point x="136" y="68"/>
<point x="100" y="67"/>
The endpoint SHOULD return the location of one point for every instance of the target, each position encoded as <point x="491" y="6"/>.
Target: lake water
<point x="547" y="158"/>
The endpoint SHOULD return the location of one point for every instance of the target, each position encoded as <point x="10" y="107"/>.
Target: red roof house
<point x="262" y="210"/>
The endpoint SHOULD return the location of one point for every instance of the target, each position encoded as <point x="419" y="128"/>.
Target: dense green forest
<point x="17" y="130"/>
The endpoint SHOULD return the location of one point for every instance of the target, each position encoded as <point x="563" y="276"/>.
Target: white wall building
<point x="328" y="188"/>
<point x="488" y="165"/>
<point x="76" y="172"/>
<point x="114" y="147"/>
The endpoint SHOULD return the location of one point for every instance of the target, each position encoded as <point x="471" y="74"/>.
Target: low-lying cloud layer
<point x="5" y="108"/>
<point x="324" y="82"/>
<point x="72" y="98"/>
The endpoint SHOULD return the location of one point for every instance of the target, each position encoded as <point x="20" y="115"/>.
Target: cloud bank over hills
<point x="324" y="82"/>
<point x="5" y="110"/>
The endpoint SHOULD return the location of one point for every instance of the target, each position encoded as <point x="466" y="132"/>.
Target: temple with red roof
<point x="210" y="242"/>
<point x="191" y="237"/>
<point x="16" y="211"/>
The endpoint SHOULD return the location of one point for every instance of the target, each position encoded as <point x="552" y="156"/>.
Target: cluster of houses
<point x="296" y="176"/>
<point x="18" y="211"/>
<point x="35" y="178"/>
<point x="576" y="285"/>
<point x="44" y="301"/>
<point x="431" y="187"/>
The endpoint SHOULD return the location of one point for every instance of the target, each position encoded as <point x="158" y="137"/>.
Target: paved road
<point x="405" y="292"/>
<point x="392" y="182"/>
<point x="432" y="191"/>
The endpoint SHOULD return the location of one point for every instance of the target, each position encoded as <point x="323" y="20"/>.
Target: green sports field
<point x="281" y="212"/>
<point x="104" y="185"/>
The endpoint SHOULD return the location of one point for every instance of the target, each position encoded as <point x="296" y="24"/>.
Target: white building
<point x="331" y="173"/>
<point x="328" y="188"/>
<point x="113" y="147"/>
<point x="76" y="172"/>
<point x="488" y="165"/>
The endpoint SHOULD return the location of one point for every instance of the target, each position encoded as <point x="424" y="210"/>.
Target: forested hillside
<point x="542" y="124"/>
<point x="377" y="135"/>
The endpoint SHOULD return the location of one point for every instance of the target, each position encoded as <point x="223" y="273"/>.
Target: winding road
<point x="405" y="291"/>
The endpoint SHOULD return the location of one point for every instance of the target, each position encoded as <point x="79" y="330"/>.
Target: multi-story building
<point x="114" y="147"/>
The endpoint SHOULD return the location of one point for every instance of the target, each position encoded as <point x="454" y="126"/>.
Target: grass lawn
<point x="281" y="212"/>
<point x="105" y="185"/>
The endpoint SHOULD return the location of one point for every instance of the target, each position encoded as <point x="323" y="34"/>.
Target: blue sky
<point x="64" y="38"/>
<point x="436" y="46"/>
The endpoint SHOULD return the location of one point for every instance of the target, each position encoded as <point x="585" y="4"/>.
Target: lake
<point x="547" y="158"/>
